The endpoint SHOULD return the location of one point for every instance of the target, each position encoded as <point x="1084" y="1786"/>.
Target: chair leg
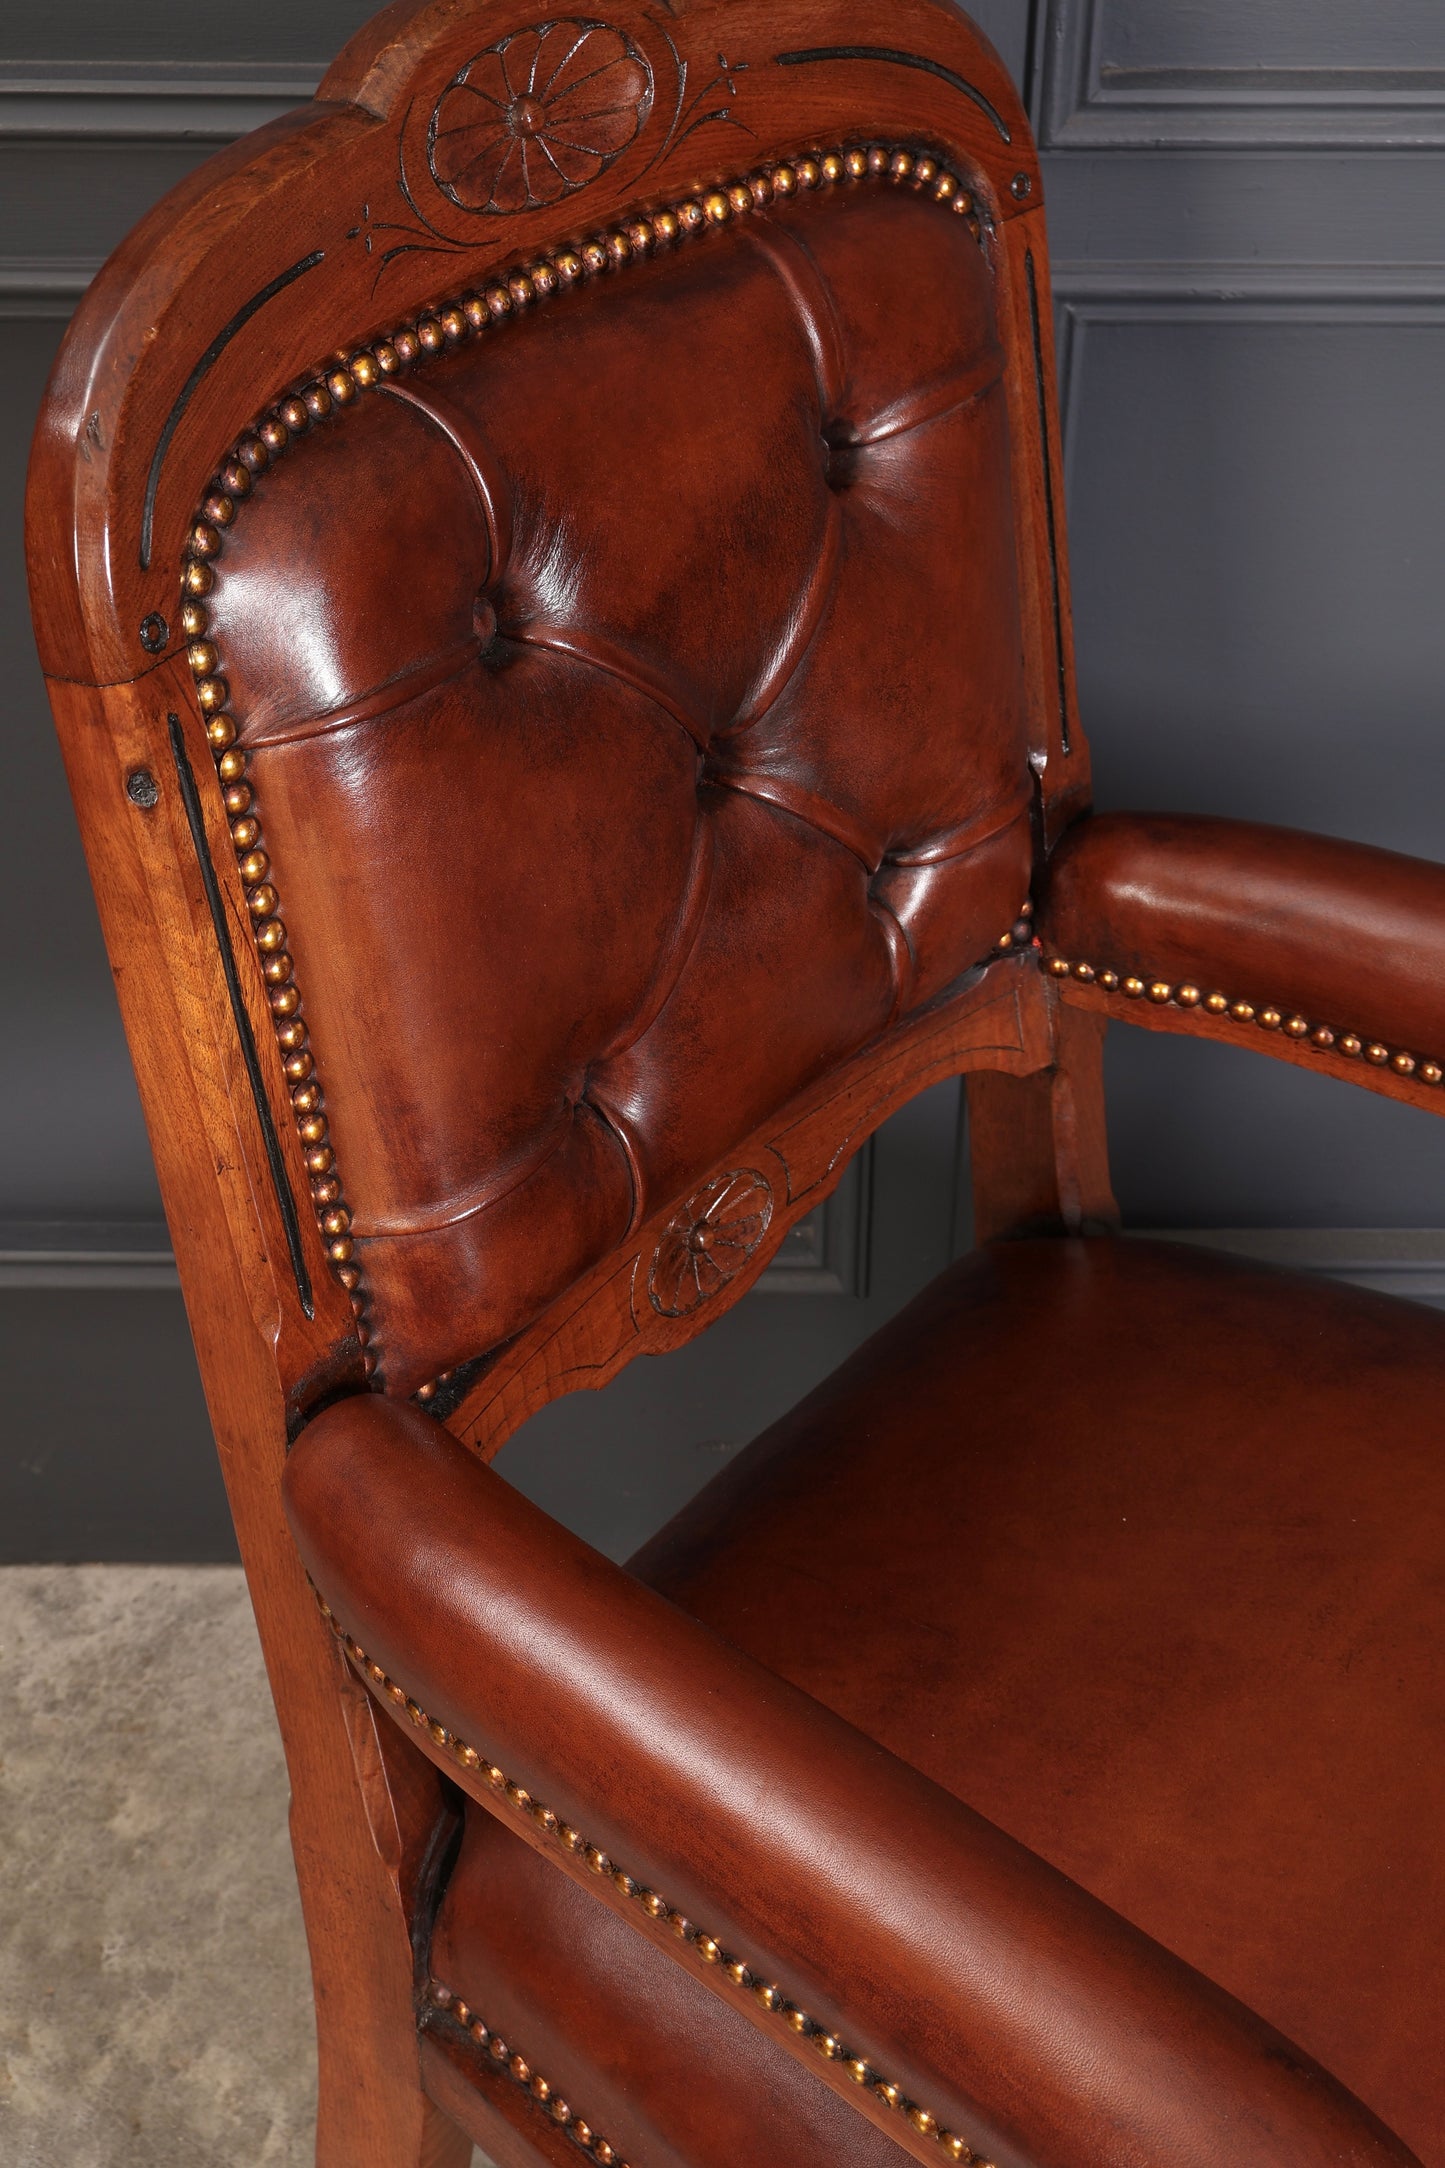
<point x="445" y="2146"/>
<point x="408" y="2131"/>
<point x="1038" y="1149"/>
<point x="371" y="2109"/>
<point x="366" y="1809"/>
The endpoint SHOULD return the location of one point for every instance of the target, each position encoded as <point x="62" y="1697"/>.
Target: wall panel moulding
<point x="188" y="101"/>
<point x="1385" y="296"/>
<point x="1130" y="75"/>
<point x="825" y="1254"/>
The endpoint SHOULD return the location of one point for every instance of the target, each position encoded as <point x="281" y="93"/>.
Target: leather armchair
<point x="557" y="616"/>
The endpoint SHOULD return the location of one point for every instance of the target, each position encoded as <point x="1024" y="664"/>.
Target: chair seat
<point x="1138" y="1550"/>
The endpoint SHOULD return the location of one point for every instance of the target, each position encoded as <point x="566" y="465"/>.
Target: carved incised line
<point x="188" y="390"/>
<point x="887" y="53"/>
<point x="376" y="367"/>
<point x="271" y="436"/>
<point x="538" y="115"/>
<point x="510" y="1801"/>
<point x="1046" y="454"/>
<point x="686" y="119"/>
<point x="280" y="1181"/>
<point x="423" y="239"/>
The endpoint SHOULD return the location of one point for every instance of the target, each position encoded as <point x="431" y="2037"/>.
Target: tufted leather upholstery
<point x="634" y="704"/>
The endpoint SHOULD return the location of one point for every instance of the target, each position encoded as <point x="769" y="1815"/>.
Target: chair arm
<point x="853" y="1909"/>
<point x="1322" y="941"/>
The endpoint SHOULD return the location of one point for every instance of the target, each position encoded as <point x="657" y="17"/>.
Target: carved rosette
<point x="538" y="115"/>
<point x="708" y="1240"/>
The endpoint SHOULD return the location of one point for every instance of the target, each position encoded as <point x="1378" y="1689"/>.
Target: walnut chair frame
<point x="301" y="274"/>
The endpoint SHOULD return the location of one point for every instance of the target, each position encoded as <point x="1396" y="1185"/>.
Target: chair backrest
<point x="565" y="534"/>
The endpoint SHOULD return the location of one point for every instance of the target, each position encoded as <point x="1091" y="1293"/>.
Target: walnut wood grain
<point x="1038" y="1145"/>
<point x="350" y="1841"/>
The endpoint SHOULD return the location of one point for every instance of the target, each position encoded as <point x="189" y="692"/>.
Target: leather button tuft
<point x="839" y="455"/>
<point x="484" y="619"/>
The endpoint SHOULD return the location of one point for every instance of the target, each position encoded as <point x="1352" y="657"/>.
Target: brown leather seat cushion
<point x="1139" y="1551"/>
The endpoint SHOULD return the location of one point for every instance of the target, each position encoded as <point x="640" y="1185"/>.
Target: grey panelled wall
<point x="1247" y="213"/>
<point x="1246" y="205"/>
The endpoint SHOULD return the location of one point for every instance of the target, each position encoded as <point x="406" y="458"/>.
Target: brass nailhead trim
<point x="1321" y="1037"/>
<point x="734" y="1969"/>
<point x="446" y="324"/>
<point x="516" y="2067"/>
<point x="1021" y="934"/>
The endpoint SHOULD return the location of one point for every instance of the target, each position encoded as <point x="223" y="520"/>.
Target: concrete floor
<point x="154" y="2001"/>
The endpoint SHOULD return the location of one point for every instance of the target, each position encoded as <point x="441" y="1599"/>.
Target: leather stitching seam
<point x="962" y="387"/>
<point x="792" y="651"/>
<point x="452" y="1211"/>
<point x="814" y="305"/>
<point x="467" y="440"/>
<point x="782" y="795"/>
<point x="600" y="654"/>
<point x="970" y="835"/>
<point x="383" y="700"/>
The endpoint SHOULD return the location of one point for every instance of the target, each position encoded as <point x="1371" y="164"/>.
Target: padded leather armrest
<point x="1339" y="934"/>
<point x="1007" y="2004"/>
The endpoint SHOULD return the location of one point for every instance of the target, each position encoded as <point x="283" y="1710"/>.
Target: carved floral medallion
<point x="538" y="115"/>
<point x="708" y="1240"/>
